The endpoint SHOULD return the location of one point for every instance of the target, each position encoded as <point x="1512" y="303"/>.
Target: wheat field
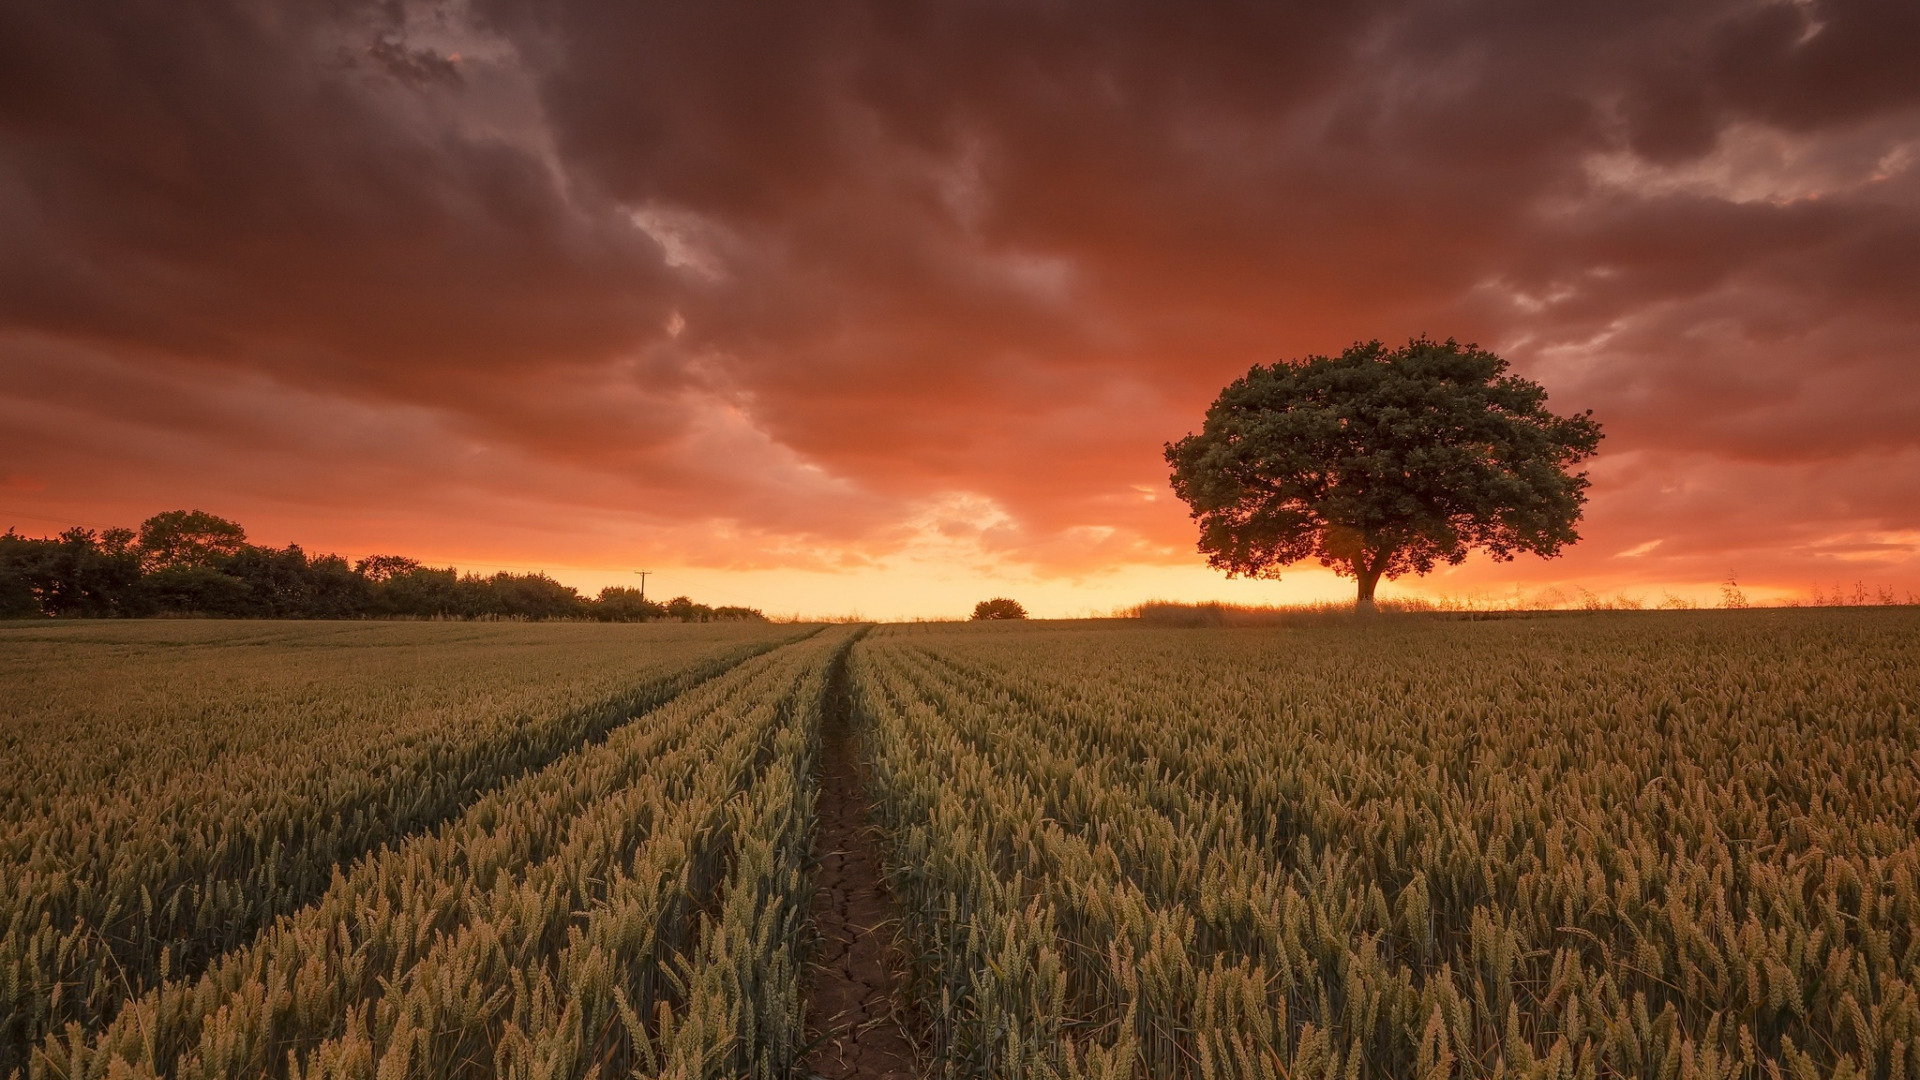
<point x="1649" y="844"/>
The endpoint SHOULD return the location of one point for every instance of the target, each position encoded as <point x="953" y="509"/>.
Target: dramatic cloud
<point x="873" y="289"/>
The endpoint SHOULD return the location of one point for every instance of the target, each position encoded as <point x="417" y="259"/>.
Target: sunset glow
<point x="883" y="309"/>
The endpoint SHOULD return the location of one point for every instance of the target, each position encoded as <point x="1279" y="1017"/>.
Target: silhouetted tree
<point x="191" y="562"/>
<point x="285" y="583"/>
<point x="77" y="574"/>
<point x="18" y="555"/>
<point x="684" y="609"/>
<point x="620" y="604"/>
<point x="424" y="590"/>
<point x="530" y="596"/>
<point x="188" y="589"/>
<point x="336" y="591"/>
<point x="999" y="608"/>
<point x="188" y="538"/>
<point x="1382" y="462"/>
<point x="382" y="568"/>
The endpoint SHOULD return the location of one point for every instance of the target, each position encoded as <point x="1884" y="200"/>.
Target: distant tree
<point x="730" y="613"/>
<point x="531" y="596"/>
<point x="79" y="573"/>
<point x="1731" y="595"/>
<point x="334" y="591"/>
<point x="999" y="608"/>
<point x="189" y="589"/>
<point x="423" y="591"/>
<point x="620" y="604"/>
<point x="193" y="563"/>
<point x="284" y="583"/>
<point x="19" y="555"/>
<point x="1381" y="462"/>
<point x="188" y="538"/>
<point x="382" y="568"/>
<point x="684" y="609"/>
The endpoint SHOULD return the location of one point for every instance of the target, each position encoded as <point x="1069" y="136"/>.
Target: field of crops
<point x="1625" y="844"/>
<point x="1657" y="845"/>
<point x="171" y="789"/>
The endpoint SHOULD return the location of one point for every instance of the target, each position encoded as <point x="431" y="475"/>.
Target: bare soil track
<point x="858" y="1016"/>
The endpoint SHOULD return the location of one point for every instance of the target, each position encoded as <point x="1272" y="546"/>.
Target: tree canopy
<point x="1382" y="462"/>
<point x="186" y="538"/>
<point x="189" y="562"/>
<point x="999" y="608"/>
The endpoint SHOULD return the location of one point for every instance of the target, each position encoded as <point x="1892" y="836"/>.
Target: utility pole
<point x="643" y="584"/>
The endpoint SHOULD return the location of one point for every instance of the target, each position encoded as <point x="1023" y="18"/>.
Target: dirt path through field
<point x="856" y="1005"/>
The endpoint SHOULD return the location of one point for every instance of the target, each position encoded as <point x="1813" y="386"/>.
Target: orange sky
<point x="885" y="308"/>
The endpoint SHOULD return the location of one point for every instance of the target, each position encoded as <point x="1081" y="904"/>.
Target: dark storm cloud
<point x="902" y="250"/>
<point x="282" y="187"/>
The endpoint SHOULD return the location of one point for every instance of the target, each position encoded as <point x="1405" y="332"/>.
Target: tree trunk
<point x="1367" y="578"/>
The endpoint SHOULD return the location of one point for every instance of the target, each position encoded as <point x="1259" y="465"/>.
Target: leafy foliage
<point x="998" y="608"/>
<point x="193" y="563"/>
<point x="1381" y="462"/>
<point x="189" y="538"/>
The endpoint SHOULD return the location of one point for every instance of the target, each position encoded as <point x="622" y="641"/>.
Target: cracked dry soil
<point x="857" y="1012"/>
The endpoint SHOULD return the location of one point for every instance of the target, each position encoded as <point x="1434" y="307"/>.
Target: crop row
<point x="115" y="887"/>
<point x="635" y="904"/>
<point x="1594" y="847"/>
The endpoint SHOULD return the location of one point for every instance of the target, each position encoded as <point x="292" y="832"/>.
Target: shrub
<point x="999" y="608"/>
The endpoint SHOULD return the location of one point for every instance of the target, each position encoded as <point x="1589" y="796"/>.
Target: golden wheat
<point x="173" y="788"/>
<point x="540" y="930"/>
<point x="1635" y="844"/>
<point x="1631" y="846"/>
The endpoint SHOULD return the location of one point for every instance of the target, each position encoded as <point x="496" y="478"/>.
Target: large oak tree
<point x="1381" y="462"/>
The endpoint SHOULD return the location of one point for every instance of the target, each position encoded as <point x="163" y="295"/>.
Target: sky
<point x="883" y="308"/>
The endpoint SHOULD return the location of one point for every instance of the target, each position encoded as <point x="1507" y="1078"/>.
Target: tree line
<point x="189" y="562"/>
